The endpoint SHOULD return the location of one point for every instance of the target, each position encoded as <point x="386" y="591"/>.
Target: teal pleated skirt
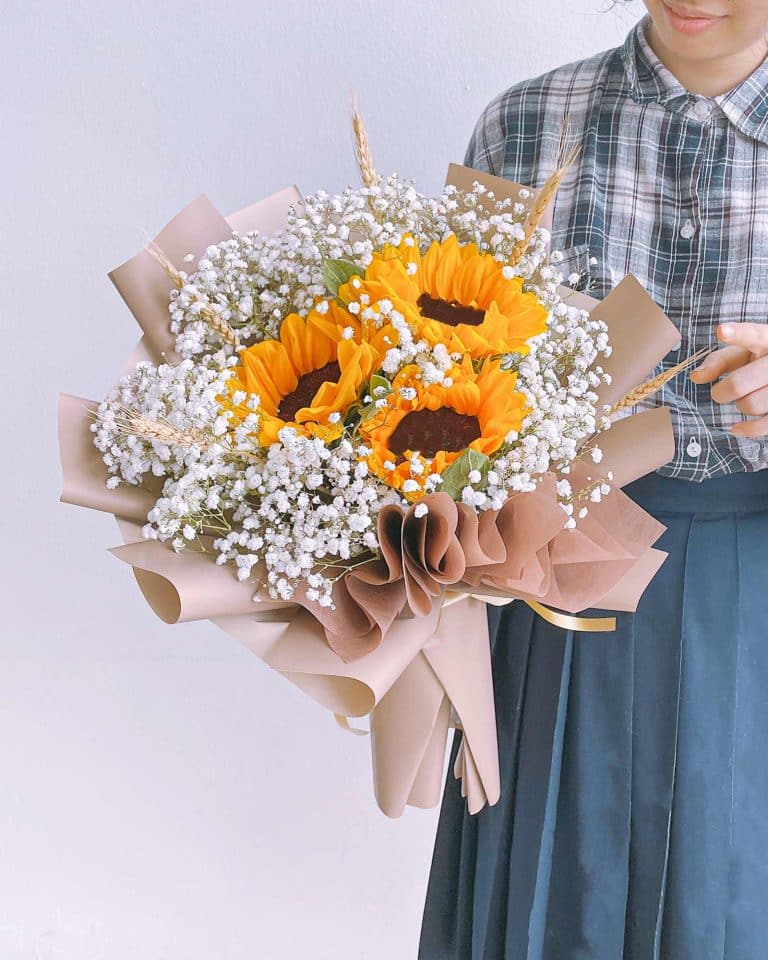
<point x="633" y="819"/>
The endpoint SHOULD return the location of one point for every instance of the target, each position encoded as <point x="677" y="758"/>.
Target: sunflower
<point x="431" y="426"/>
<point x="454" y="295"/>
<point x="309" y="377"/>
<point x="377" y="333"/>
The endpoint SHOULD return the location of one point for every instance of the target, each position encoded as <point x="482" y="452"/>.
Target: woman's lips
<point x="687" y="22"/>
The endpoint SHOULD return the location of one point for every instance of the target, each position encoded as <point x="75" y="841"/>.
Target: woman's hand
<point x="745" y="360"/>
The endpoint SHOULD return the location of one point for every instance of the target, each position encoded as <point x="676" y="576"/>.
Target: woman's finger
<point x="754" y="404"/>
<point x="720" y="362"/>
<point x="753" y="336"/>
<point x="751" y="428"/>
<point x="752" y="376"/>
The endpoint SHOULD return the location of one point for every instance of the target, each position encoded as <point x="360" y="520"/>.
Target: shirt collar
<point x="746" y="105"/>
<point x="649" y="80"/>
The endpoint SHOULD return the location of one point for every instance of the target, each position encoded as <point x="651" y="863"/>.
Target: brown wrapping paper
<point x="418" y="662"/>
<point x="641" y="336"/>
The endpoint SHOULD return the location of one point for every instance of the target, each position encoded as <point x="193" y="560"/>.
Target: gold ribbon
<point x="569" y="622"/>
<point x="555" y="617"/>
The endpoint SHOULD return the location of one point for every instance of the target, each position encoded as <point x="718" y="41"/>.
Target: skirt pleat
<point x="746" y="933"/>
<point x="633" y="818"/>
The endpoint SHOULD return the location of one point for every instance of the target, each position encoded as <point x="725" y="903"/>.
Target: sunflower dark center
<point x="431" y="430"/>
<point x="449" y="311"/>
<point x="306" y="388"/>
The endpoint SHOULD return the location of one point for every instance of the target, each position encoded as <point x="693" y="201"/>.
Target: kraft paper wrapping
<point x="463" y="177"/>
<point x="143" y="283"/>
<point x="84" y="474"/>
<point x="393" y="650"/>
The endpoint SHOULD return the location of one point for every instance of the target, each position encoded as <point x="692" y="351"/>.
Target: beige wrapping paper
<point x="267" y="216"/>
<point x="143" y="283"/>
<point x="415" y="671"/>
<point x="83" y="471"/>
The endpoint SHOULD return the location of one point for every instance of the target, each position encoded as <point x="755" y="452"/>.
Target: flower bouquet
<point x="353" y="420"/>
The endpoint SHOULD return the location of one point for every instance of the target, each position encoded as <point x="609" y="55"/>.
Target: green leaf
<point x="379" y="386"/>
<point x="338" y="272"/>
<point x="456" y="477"/>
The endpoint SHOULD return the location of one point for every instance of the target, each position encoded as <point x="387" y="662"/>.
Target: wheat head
<point x="649" y="387"/>
<point x="365" y="165"/>
<point x="206" y="311"/>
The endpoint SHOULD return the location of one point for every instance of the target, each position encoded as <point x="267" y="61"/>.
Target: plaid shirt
<point x="668" y="186"/>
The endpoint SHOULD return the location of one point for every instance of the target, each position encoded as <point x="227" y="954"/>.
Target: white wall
<point x="163" y="795"/>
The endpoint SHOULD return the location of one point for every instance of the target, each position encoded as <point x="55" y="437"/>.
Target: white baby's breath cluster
<point x="295" y="514"/>
<point x="560" y="377"/>
<point x="433" y="360"/>
<point x="162" y="420"/>
<point x="301" y="513"/>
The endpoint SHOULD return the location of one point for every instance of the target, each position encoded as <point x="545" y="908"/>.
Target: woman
<point x="633" y="822"/>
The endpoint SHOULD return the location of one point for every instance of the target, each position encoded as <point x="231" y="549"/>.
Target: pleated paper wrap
<point x="407" y="644"/>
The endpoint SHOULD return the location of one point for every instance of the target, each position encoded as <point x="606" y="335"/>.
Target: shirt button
<point x="701" y="110"/>
<point x="687" y="230"/>
<point x="694" y="448"/>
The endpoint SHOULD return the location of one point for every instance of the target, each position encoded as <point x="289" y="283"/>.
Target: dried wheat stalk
<point x="206" y="311"/>
<point x="131" y="423"/>
<point x="566" y="157"/>
<point x="368" y="175"/>
<point x="655" y="384"/>
<point x="159" y="254"/>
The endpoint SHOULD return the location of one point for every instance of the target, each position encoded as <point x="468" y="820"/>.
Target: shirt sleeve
<point x="485" y="150"/>
<point x="515" y="134"/>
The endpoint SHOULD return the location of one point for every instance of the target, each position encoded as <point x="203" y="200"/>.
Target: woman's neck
<point x="707" y="77"/>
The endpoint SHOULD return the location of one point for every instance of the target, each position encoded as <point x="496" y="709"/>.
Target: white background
<point x="163" y="796"/>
